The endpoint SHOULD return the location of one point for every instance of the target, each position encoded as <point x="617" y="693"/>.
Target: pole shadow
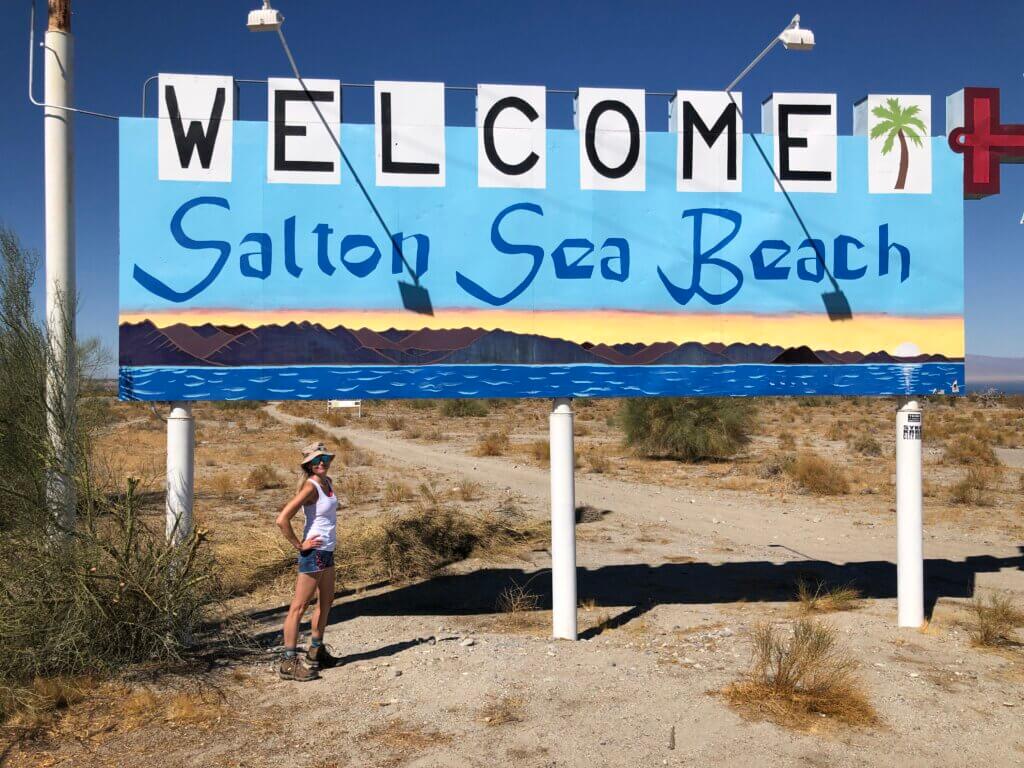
<point x="692" y="583"/>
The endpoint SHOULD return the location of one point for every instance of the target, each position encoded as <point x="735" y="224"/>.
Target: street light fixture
<point x="793" y="38"/>
<point x="265" y="19"/>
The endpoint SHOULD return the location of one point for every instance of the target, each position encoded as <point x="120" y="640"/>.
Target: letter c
<point x="509" y="102"/>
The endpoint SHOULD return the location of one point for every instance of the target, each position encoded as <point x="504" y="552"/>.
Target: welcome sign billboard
<point x="619" y="258"/>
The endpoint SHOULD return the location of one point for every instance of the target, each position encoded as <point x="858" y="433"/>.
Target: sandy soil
<point x="673" y="576"/>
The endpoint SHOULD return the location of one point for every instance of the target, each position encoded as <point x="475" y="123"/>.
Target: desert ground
<point x="681" y="568"/>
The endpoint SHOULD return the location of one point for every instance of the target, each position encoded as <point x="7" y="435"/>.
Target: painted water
<point x="323" y="382"/>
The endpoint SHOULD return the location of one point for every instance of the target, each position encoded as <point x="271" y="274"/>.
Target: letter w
<point x="194" y="139"/>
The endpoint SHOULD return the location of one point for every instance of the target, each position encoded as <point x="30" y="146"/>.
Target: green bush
<point x="87" y="595"/>
<point x="463" y="408"/>
<point x="688" y="429"/>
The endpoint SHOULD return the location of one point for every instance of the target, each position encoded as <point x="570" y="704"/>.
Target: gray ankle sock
<point x="290" y="653"/>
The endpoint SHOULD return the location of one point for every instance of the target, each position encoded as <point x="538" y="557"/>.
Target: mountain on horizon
<point x="306" y="343"/>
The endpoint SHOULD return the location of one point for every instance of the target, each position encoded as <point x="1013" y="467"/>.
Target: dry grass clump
<point x="598" y="463"/>
<point x="786" y="441"/>
<point x="818" y="475"/>
<point x="507" y="709"/>
<point x="251" y="557"/>
<point x="395" y="423"/>
<point x="972" y="489"/>
<point x="540" y="450"/>
<point x="517" y="603"/>
<point x="798" y="680"/>
<point x="821" y="598"/>
<point x="308" y="429"/>
<point x="357" y="488"/>
<point x="409" y="545"/>
<point x="837" y="430"/>
<point x="463" y="408"/>
<point x="469" y="490"/>
<point x="971" y="451"/>
<point x="222" y="484"/>
<point x="262" y="477"/>
<point x="336" y="418"/>
<point x="775" y="465"/>
<point x="395" y="491"/>
<point x="866" y="445"/>
<point x="492" y="444"/>
<point x="993" y="621"/>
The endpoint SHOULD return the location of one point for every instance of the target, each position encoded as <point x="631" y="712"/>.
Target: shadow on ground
<point x="645" y="587"/>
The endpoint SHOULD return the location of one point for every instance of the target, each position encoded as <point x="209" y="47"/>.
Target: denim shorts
<point x="315" y="560"/>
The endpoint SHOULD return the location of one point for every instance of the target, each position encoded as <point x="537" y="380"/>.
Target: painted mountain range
<point x="311" y="344"/>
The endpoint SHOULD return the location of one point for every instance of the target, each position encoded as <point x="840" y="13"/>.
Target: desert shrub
<point x="222" y="484"/>
<point x="469" y="490"/>
<point x="822" y="598"/>
<point x="492" y="444"/>
<point x="786" y="441"/>
<point x="357" y="488"/>
<point x="235" y="405"/>
<point x="866" y="445"/>
<point x="971" y="451"/>
<point x="837" y="430"/>
<point x="395" y="423"/>
<point x="796" y="680"/>
<point x="412" y="433"/>
<point x="86" y="595"/>
<point x="308" y="429"/>
<point x="688" y="429"/>
<point x="517" y="602"/>
<point x="417" y="543"/>
<point x="993" y="621"/>
<point x="463" y="408"/>
<point x="262" y="477"/>
<point x="540" y="450"/>
<point x="336" y="418"/>
<point x="420" y="405"/>
<point x="395" y="491"/>
<point x="775" y="465"/>
<point x="818" y="475"/>
<point x="598" y="463"/>
<point x="972" y="489"/>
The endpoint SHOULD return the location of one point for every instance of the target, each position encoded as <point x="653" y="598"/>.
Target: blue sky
<point x="879" y="47"/>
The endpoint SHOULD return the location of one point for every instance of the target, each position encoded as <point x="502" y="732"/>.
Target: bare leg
<point x="325" y="597"/>
<point x="305" y="586"/>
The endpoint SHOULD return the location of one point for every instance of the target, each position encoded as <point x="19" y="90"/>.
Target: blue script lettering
<point x="702" y="258"/>
<point x="160" y="288"/>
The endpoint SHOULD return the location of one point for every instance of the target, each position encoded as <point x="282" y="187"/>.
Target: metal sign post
<point x="909" y="558"/>
<point x="181" y="440"/>
<point x="563" y="521"/>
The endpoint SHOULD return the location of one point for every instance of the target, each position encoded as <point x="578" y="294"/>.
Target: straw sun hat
<point x="313" y="450"/>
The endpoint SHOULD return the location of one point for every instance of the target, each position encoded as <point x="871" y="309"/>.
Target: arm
<point x="284" y="519"/>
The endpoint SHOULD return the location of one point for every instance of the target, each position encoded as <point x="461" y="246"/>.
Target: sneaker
<point x="294" y="669"/>
<point x="321" y="658"/>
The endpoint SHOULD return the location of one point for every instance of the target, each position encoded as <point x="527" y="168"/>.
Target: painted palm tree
<point x="895" y="122"/>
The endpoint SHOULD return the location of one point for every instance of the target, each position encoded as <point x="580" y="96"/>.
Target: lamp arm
<point x="752" y="64"/>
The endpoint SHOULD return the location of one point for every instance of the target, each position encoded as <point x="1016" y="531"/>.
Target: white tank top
<point x="321" y="518"/>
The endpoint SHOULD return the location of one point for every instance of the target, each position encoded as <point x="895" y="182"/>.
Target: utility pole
<point x="60" y="259"/>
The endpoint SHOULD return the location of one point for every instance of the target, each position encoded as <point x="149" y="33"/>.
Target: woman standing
<point x="316" y="563"/>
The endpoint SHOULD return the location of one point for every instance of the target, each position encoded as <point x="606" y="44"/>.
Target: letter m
<point x="194" y="134"/>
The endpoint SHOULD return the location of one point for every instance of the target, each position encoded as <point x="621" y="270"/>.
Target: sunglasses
<point x="320" y="460"/>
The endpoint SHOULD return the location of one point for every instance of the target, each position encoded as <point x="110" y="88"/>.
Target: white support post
<point x="181" y="438"/>
<point x="563" y="521"/>
<point x="909" y="535"/>
<point x="60" y="267"/>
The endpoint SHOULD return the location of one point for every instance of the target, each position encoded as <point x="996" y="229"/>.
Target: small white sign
<point x="511" y="123"/>
<point x="409" y="131"/>
<point x="613" y="138"/>
<point x="194" y="130"/>
<point x="300" y="149"/>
